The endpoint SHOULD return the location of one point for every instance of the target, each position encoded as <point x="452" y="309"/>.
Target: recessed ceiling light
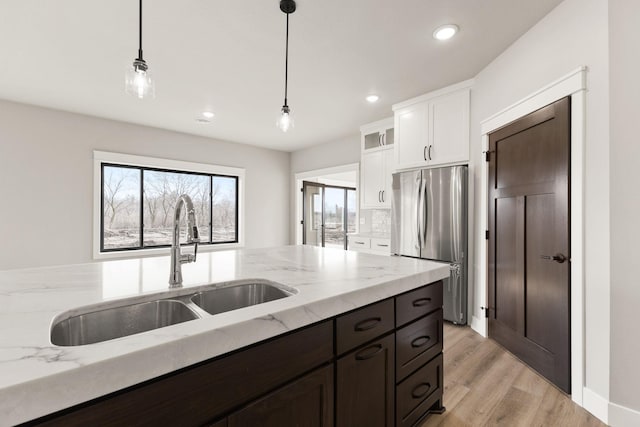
<point x="445" y="32"/>
<point x="372" y="98"/>
<point x="208" y="114"/>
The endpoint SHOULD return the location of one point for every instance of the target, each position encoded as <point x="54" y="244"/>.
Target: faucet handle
<point x="195" y="248"/>
<point x="192" y="234"/>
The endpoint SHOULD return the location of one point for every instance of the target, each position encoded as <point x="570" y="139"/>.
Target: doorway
<point x="529" y="240"/>
<point x="329" y="213"/>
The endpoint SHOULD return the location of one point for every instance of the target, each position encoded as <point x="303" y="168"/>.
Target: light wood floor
<point x="485" y="385"/>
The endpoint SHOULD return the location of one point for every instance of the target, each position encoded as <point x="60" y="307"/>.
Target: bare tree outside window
<point x="127" y="201"/>
<point x="224" y="196"/>
<point x="121" y="207"/>
<point x="161" y="190"/>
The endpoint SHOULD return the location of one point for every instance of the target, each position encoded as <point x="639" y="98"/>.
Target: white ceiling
<point x="228" y="56"/>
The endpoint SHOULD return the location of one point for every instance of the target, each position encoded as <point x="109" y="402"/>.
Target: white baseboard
<point x="479" y="325"/>
<point x="620" y="416"/>
<point x="596" y="404"/>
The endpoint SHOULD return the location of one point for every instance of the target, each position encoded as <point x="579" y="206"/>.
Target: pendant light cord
<point x="286" y="63"/>
<point x="140" y="32"/>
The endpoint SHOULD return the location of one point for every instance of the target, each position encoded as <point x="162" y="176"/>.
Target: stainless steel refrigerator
<point x="429" y="220"/>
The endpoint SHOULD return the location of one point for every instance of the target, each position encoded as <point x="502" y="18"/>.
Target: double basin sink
<point x="122" y="319"/>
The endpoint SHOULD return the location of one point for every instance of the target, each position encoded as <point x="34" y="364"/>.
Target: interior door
<point x="313" y="215"/>
<point x="335" y="228"/>
<point x="529" y="254"/>
<point x="329" y="212"/>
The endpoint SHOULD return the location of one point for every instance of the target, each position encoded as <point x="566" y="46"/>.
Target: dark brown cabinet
<point x="364" y="324"/>
<point x="365" y="385"/>
<point x="305" y="402"/>
<point x="417" y="343"/>
<point x="420" y="393"/>
<point x="419" y="373"/>
<point x="379" y="365"/>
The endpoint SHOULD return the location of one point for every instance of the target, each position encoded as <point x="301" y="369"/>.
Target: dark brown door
<point x="529" y="240"/>
<point x="306" y="402"/>
<point x="365" y="392"/>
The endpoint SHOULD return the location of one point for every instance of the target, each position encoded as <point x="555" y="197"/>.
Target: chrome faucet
<point x="177" y="259"/>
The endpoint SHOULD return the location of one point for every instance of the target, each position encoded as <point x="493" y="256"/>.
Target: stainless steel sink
<point x="107" y="324"/>
<point x="219" y="300"/>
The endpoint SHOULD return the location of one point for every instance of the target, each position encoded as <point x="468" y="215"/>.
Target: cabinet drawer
<point x="356" y="243"/>
<point x="418" y="393"/>
<point x="418" y="302"/>
<point x="381" y="245"/>
<point x="363" y="325"/>
<point x="417" y="343"/>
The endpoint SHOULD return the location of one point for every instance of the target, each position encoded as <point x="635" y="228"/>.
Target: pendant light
<point x="138" y="81"/>
<point x="285" y="120"/>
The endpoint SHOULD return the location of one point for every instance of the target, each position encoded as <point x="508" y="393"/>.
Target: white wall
<point x="573" y="34"/>
<point x="46" y="181"/>
<point x="624" y="40"/>
<point x="335" y="153"/>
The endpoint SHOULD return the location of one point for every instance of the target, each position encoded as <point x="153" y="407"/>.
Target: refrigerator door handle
<point x="425" y="205"/>
<point x="419" y="223"/>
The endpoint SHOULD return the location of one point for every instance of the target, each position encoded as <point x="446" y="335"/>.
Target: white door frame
<point x="302" y="176"/>
<point x="574" y="85"/>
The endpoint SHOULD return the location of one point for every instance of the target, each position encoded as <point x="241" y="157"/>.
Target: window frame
<point x="143" y="163"/>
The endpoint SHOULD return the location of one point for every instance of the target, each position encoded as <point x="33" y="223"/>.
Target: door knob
<point x="559" y="258"/>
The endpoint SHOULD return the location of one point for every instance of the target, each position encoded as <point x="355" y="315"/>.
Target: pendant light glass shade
<point x="138" y="81"/>
<point x="285" y="119"/>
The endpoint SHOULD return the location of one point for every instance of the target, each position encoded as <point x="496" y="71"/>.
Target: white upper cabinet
<point x="376" y="164"/>
<point x="412" y="123"/>
<point x="433" y="129"/>
<point x="378" y="135"/>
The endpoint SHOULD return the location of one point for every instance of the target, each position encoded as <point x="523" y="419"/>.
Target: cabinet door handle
<point x="369" y="352"/>
<point x="421" y="302"/>
<point x="382" y="196"/>
<point x="424" y="153"/>
<point x="384" y="139"/>
<point x="380" y="139"/>
<point x="420" y="390"/>
<point x="429" y="151"/>
<point x="420" y="341"/>
<point x="366" y="324"/>
<point x="379" y="196"/>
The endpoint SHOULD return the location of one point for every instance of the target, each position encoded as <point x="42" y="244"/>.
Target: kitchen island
<point x="38" y="378"/>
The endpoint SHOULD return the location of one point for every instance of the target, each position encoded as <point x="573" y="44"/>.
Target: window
<point x="137" y="201"/>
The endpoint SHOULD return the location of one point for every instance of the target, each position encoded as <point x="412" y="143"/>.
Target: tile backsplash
<point x="376" y="221"/>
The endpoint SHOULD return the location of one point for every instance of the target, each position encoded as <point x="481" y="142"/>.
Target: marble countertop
<point x="38" y="378"/>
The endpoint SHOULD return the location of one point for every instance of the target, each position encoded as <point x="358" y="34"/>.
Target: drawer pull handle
<point x="384" y="246"/>
<point x="366" y="324"/>
<point x="369" y="352"/>
<point x="420" y="341"/>
<point x="422" y="301"/>
<point x="420" y="390"/>
<point x="359" y="243"/>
